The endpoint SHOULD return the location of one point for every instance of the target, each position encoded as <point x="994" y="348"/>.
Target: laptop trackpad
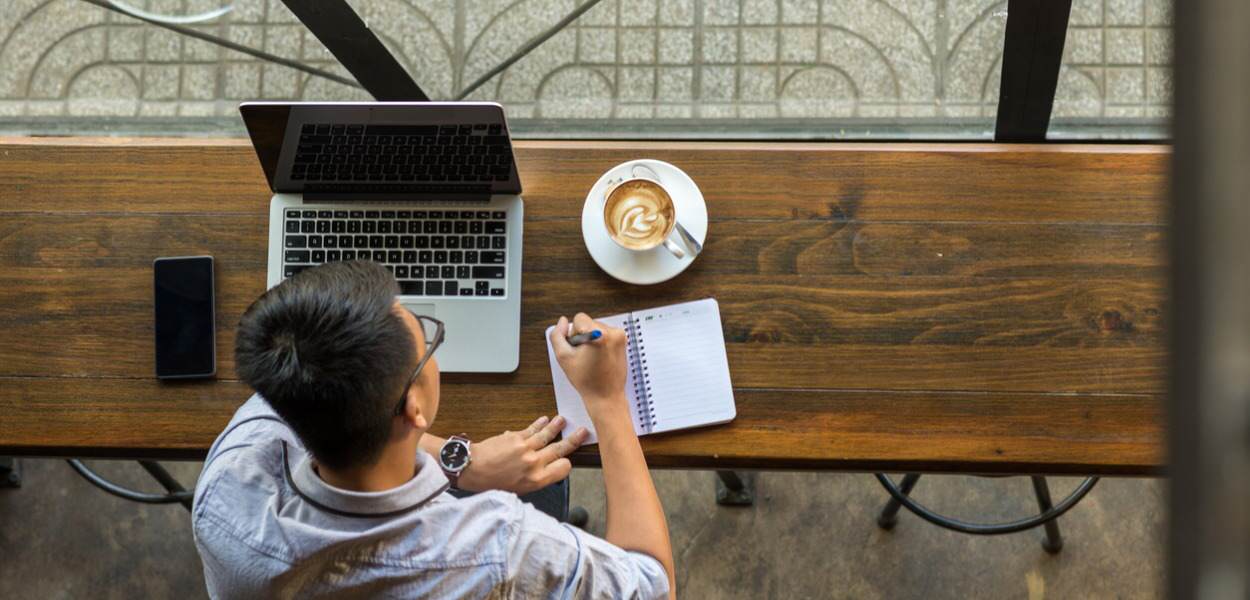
<point x="425" y="310"/>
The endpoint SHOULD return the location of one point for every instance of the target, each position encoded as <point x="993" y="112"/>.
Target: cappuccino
<point x="639" y="214"/>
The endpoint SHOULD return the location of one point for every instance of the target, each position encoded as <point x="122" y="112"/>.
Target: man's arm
<point x="635" y="519"/>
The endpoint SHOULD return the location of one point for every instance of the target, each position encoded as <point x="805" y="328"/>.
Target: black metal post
<point x="1053" y="542"/>
<point x="1032" y="54"/>
<point x="10" y="475"/>
<point x="357" y="48"/>
<point x="734" y="489"/>
<point x="889" y="514"/>
<point x="165" y="479"/>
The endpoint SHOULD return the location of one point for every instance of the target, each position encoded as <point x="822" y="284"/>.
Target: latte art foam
<point x="639" y="215"/>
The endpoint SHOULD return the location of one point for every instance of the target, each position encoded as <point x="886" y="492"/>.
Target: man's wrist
<point x="609" y="412"/>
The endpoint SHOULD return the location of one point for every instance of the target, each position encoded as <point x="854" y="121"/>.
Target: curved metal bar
<point x="529" y="46"/>
<point x="127" y="493"/>
<point x="982" y="528"/>
<point x="212" y="39"/>
<point x="170" y="19"/>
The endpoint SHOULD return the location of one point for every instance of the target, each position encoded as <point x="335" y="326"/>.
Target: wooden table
<point x="966" y="308"/>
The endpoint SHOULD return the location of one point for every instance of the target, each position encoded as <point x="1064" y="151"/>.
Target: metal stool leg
<point x="735" y="489"/>
<point x="1054" y="541"/>
<point x="889" y="514"/>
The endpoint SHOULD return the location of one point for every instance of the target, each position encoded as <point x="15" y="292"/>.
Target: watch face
<point x="454" y="456"/>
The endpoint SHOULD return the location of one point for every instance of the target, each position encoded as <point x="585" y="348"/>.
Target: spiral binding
<point x="640" y="373"/>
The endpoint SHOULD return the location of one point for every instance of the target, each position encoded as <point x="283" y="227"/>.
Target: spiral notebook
<point x="678" y="374"/>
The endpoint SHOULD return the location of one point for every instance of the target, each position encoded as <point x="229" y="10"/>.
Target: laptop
<point x="429" y="190"/>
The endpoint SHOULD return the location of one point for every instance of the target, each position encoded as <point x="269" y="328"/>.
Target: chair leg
<point x="889" y="514"/>
<point x="1054" y="541"/>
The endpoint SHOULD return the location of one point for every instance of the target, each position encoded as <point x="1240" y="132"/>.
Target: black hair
<point x="327" y="351"/>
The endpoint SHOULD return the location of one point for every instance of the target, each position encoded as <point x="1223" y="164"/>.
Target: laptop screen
<point x="383" y="147"/>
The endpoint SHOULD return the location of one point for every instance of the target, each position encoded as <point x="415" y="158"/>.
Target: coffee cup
<point x="639" y="214"/>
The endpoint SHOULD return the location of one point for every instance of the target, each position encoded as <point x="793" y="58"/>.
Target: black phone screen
<point x="185" y="339"/>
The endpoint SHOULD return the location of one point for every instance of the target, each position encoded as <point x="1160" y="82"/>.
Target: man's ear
<point x="412" y="410"/>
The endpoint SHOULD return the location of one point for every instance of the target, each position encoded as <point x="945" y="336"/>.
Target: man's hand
<point x="596" y="369"/>
<point x="522" y="461"/>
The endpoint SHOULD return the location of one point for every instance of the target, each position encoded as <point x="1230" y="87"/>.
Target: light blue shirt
<point x="267" y="526"/>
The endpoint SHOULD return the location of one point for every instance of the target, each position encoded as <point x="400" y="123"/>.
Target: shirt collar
<point x="428" y="483"/>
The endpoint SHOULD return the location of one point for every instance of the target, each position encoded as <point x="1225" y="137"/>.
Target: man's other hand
<point x="522" y="461"/>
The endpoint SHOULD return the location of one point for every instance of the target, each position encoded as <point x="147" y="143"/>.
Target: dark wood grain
<point x="844" y="430"/>
<point x="938" y="308"/>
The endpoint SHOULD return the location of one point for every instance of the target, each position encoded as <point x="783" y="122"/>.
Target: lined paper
<point x="686" y="370"/>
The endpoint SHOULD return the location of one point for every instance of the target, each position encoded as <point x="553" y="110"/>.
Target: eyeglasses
<point x="433" y="330"/>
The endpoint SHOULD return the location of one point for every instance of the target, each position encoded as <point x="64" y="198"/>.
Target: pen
<point x="582" y="338"/>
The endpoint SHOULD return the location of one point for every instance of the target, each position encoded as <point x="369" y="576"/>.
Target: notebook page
<point x="684" y="349"/>
<point x="569" y="402"/>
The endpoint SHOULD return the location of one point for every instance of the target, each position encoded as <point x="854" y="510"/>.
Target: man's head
<point x="332" y="351"/>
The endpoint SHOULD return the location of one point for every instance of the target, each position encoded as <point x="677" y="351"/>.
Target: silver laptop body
<point x="430" y="190"/>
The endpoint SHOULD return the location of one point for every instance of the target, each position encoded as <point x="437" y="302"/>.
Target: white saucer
<point x="647" y="266"/>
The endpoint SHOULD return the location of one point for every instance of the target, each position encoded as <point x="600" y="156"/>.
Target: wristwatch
<point x="454" y="458"/>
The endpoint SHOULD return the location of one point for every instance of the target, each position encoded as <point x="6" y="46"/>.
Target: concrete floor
<point x="807" y="536"/>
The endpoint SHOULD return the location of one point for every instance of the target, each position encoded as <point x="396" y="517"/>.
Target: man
<point x="323" y="483"/>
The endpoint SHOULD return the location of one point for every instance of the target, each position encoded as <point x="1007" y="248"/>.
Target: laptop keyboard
<point x="430" y="252"/>
<point x="381" y="153"/>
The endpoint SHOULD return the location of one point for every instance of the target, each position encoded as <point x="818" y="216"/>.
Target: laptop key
<point x="412" y="288"/>
<point x="466" y="291"/>
<point x="292" y="226"/>
<point x="437" y="241"/>
<point x="499" y="214"/>
<point x="406" y="241"/>
<point x="433" y="288"/>
<point x="293" y="270"/>
<point x="496" y="291"/>
<point x="296" y="241"/>
<point x="463" y="272"/>
<point x="455" y="257"/>
<point x="488" y="272"/>
<point x="314" y="241"/>
<point x="448" y="272"/>
<point x="318" y="256"/>
<point x="410" y="256"/>
<point x="392" y="241"/>
<point x="323" y="227"/>
<point x="333" y="256"/>
<point x="349" y="255"/>
<point x="292" y="214"/>
<point x="449" y="288"/>
<point x="360" y="241"/>
<point x="379" y="256"/>
<point x="494" y="227"/>
<point x="394" y="256"/>
<point x="470" y="257"/>
<point x="376" y="241"/>
<point x="295" y="256"/>
<point x="331" y="241"/>
<point x="492" y="258"/>
<point x="440" y="256"/>
<point x="498" y="242"/>
<point x="452" y="242"/>
<point x="401" y="271"/>
<point x="466" y="242"/>
<point x="308" y="226"/>
<point x="384" y="227"/>
<point x="482" y="287"/>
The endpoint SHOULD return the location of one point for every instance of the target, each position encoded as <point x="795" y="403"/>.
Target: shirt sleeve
<point x="546" y="558"/>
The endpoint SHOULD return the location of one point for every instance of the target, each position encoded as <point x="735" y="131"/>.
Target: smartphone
<point x="186" y="340"/>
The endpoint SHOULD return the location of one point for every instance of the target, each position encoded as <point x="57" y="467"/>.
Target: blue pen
<point x="582" y="338"/>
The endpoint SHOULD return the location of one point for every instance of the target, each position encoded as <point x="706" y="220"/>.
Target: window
<point x="893" y="69"/>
